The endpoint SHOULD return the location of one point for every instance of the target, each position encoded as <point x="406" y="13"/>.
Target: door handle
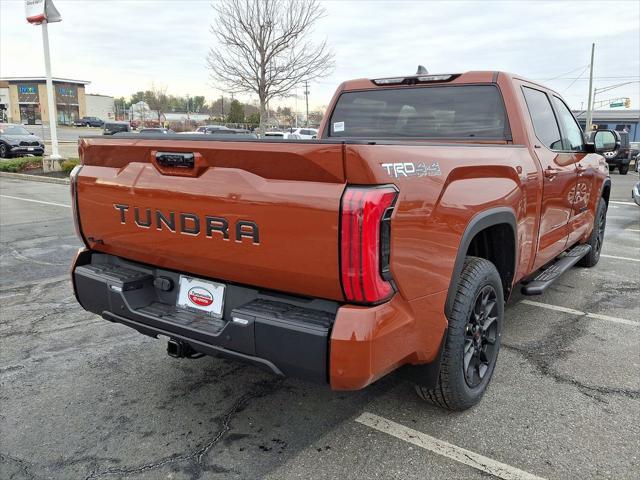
<point x="551" y="172"/>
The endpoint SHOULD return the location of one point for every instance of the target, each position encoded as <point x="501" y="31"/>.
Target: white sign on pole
<point x="39" y="11"/>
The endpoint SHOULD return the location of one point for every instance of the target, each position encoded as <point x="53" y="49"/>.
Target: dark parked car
<point x="111" y="128"/>
<point x="15" y="140"/>
<point x="88" y="122"/>
<point x="232" y="132"/>
<point x="621" y="158"/>
<point x="156" y="131"/>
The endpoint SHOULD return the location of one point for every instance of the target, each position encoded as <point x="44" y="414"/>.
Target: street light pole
<point x="591" y="93"/>
<point x="53" y="128"/>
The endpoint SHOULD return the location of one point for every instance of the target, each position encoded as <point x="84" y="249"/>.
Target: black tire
<point x="459" y="388"/>
<point x="596" y="239"/>
<point x="624" y="169"/>
<point x="4" y="151"/>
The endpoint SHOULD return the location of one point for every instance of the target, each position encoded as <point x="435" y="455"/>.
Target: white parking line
<point x="36" y="201"/>
<point x="572" y="311"/>
<point x="620" y="258"/>
<point x="621" y="203"/>
<point x="440" y="447"/>
<point x="633" y="229"/>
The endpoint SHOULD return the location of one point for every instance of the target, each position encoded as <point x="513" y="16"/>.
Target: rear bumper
<point x="346" y="346"/>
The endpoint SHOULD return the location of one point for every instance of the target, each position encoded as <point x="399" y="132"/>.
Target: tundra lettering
<point x="189" y="223"/>
<point x="369" y="266"/>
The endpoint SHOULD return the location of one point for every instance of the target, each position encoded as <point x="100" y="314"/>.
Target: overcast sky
<point x="122" y="46"/>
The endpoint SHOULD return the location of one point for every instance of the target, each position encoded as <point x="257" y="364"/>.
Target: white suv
<point x="306" y="133"/>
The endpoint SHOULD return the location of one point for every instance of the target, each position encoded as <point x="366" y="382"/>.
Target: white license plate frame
<point x="203" y="296"/>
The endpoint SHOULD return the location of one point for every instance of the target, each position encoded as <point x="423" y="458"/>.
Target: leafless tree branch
<point x="263" y="47"/>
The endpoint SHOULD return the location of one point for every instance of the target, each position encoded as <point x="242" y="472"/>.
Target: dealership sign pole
<point x="43" y="12"/>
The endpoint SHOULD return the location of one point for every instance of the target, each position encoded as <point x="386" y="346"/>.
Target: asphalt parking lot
<point x="81" y="398"/>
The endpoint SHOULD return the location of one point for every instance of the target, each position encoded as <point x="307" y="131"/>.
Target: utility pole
<point x="222" y="106"/>
<point x="306" y="97"/>
<point x="590" y="100"/>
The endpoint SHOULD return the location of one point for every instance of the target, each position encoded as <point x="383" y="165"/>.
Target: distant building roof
<point x="98" y="95"/>
<point x="44" y="79"/>
<point x="613" y="115"/>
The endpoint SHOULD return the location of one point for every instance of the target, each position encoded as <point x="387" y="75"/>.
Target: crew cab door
<point x="560" y="177"/>
<point x="586" y="166"/>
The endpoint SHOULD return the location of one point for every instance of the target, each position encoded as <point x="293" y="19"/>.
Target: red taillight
<point x="361" y="247"/>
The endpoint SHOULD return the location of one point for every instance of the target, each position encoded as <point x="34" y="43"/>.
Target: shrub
<point x="16" y="165"/>
<point x="68" y="165"/>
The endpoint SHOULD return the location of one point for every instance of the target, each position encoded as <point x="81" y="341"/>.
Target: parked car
<point x="635" y="193"/>
<point x="634" y="148"/>
<point x="393" y="241"/>
<point x="15" y="140"/>
<point x="88" y="122"/>
<point x="111" y="128"/>
<point x="156" y="131"/>
<point x="306" y="133"/>
<point x="283" y="135"/>
<point x="231" y="133"/>
<point x="621" y="158"/>
<point x="210" y="128"/>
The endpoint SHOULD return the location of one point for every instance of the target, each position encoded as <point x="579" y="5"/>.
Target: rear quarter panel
<point x="433" y="211"/>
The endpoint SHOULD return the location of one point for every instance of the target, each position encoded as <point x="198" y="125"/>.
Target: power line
<point x="562" y="75"/>
<point x="576" y="79"/>
<point x="603" y="78"/>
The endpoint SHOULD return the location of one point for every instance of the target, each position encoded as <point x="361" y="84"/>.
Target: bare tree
<point x="263" y="47"/>
<point x="157" y="100"/>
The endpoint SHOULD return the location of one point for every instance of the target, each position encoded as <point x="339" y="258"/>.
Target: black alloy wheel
<point x="602" y="223"/>
<point x="481" y="332"/>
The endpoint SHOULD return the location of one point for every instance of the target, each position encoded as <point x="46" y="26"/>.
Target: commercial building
<point x="27" y="100"/>
<point x="101" y="106"/>
<point x="619" y="120"/>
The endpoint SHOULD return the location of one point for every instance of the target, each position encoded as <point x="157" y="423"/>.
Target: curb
<point x="34" y="178"/>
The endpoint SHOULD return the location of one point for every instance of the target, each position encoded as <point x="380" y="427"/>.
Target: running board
<point x="546" y="277"/>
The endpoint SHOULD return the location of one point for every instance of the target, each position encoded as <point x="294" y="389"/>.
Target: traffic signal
<point x="627" y="102"/>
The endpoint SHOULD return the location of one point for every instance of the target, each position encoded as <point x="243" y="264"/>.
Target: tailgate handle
<point x="175" y="159"/>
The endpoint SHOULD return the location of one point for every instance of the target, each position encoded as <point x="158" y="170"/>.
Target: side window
<point x="573" y="139"/>
<point x="544" y="121"/>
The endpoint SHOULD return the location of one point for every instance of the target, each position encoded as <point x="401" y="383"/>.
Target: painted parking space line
<point x="36" y="201"/>
<point x="633" y="229"/>
<point x="621" y="203"/>
<point x="440" y="447"/>
<point x="620" y="258"/>
<point x="573" y="311"/>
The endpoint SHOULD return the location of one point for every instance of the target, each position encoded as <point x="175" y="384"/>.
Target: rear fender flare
<point x="479" y="222"/>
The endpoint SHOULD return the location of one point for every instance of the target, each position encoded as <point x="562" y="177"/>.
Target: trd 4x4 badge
<point x="410" y="169"/>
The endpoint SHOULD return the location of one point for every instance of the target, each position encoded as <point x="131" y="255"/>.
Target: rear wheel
<point x="473" y="338"/>
<point x="624" y="169"/>
<point x="596" y="239"/>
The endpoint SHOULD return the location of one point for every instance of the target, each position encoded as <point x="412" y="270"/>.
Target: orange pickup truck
<point x="391" y="242"/>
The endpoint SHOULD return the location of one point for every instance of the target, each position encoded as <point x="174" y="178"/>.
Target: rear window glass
<point x="469" y="111"/>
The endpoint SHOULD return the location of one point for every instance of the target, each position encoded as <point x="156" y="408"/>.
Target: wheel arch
<point x="495" y="220"/>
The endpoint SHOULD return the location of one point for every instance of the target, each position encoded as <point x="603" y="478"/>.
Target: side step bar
<point x="546" y="277"/>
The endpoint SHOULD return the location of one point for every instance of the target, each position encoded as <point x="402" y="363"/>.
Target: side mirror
<point x="604" y="141"/>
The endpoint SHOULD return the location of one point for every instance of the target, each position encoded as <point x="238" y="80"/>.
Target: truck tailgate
<point x="264" y="214"/>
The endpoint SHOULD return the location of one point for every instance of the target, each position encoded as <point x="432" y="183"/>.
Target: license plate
<point x="30" y="149"/>
<point x="201" y="295"/>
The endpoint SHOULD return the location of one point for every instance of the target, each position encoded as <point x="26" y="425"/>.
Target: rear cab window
<point x="436" y="112"/>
